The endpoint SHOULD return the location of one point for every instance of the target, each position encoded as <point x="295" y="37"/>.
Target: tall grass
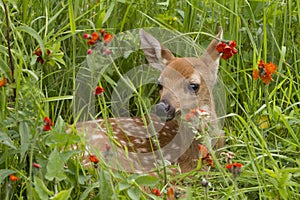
<point x="262" y="125"/>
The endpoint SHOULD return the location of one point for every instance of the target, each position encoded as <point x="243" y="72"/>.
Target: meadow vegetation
<point x="45" y="50"/>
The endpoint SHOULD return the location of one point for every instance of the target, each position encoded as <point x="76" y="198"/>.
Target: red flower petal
<point x="86" y="36"/>
<point x="102" y="31"/>
<point x="91" y="42"/>
<point x="255" y="74"/>
<point x="93" y="159"/>
<point x="220" y="47"/>
<point x="89" y="51"/>
<point x="48" y="121"/>
<point x="227" y="53"/>
<point x="107" y="37"/>
<point x="232" y="44"/>
<point x="95" y="36"/>
<point x="3" y="82"/>
<point x="261" y="63"/>
<point x="36" y="165"/>
<point x="13" y="178"/>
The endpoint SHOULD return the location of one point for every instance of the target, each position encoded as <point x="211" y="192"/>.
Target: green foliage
<point x="262" y="125"/>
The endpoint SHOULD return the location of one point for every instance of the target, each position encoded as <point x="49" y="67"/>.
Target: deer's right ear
<point x="157" y="55"/>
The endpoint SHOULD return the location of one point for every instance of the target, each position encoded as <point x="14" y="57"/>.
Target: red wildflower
<point x="38" y="53"/>
<point x="107" y="52"/>
<point x="264" y="71"/>
<point x="95" y="36"/>
<point x="89" y="51"/>
<point x="3" y="82"/>
<point x="227" y="53"/>
<point x="98" y="90"/>
<point x="91" y="42"/>
<point x="234" y="165"/>
<point x="36" y="165"/>
<point x="227" y="49"/>
<point x="220" y="47"/>
<point x="13" y="178"/>
<point x="102" y="31"/>
<point x="107" y="37"/>
<point x="86" y="36"/>
<point x="48" y="124"/>
<point x="234" y="168"/>
<point x="232" y="44"/>
<point x="156" y="192"/>
<point x="170" y="194"/>
<point x="93" y="159"/>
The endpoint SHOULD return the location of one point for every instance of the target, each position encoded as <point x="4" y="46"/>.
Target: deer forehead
<point x="178" y="70"/>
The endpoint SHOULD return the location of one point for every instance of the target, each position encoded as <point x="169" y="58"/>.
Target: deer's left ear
<point x="211" y="56"/>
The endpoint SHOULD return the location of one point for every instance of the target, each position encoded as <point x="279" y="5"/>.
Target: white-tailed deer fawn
<point x="136" y="144"/>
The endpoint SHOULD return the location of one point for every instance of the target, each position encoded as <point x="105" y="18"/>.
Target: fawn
<point x="138" y="145"/>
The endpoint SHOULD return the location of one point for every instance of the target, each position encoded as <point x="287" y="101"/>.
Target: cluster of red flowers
<point x="227" y="49"/>
<point x="98" y="90"/>
<point x="205" y="155"/>
<point x="264" y="71"/>
<point x="38" y="53"/>
<point x="95" y="38"/>
<point x="234" y="168"/>
<point x="199" y="113"/>
<point x="48" y="124"/>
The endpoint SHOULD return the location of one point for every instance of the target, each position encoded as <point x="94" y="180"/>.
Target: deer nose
<point x="164" y="110"/>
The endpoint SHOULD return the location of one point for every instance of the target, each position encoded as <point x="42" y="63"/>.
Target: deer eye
<point x="193" y="87"/>
<point x="159" y="86"/>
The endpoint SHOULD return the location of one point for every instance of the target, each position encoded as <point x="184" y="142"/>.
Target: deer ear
<point x="211" y="49"/>
<point x="157" y="55"/>
<point x="211" y="56"/>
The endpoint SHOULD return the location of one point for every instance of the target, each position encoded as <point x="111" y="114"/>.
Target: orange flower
<point x="234" y="165"/>
<point x="156" y="192"/>
<point x="255" y="74"/>
<point x="98" y="90"/>
<point x="170" y="194"/>
<point x="107" y="37"/>
<point x="93" y="159"/>
<point x="3" y="82"/>
<point x="95" y="36"/>
<point x="48" y="123"/>
<point x="234" y="168"/>
<point x="13" y="178"/>
<point x="38" y="53"/>
<point x="264" y="71"/>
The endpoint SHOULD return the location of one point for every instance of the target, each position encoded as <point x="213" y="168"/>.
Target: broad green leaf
<point x="63" y="195"/>
<point x="134" y="193"/>
<point x="41" y="189"/>
<point x="123" y="186"/>
<point x="55" y="167"/>
<point x="4" y="139"/>
<point x="147" y="180"/>
<point x="60" y="140"/>
<point x="5" y="173"/>
<point x="24" y="132"/>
